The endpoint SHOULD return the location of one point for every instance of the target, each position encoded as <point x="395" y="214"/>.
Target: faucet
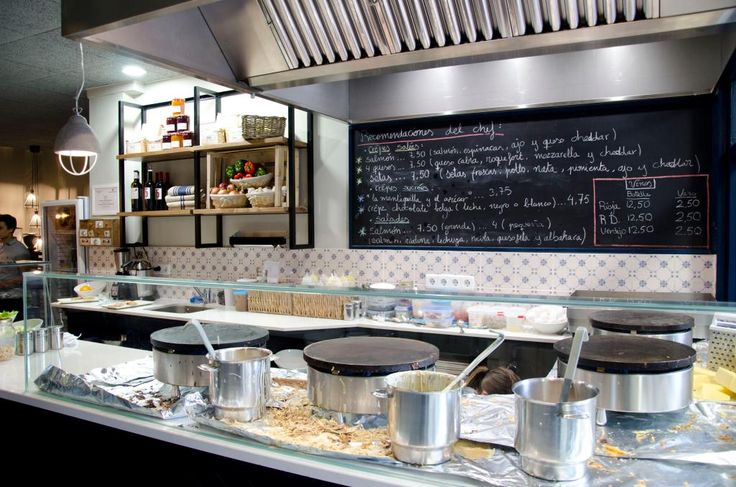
<point x="204" y="294"/>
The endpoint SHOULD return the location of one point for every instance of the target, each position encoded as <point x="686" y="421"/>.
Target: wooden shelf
<point x="186" y="152"/>
<point x="248" y="211"/>
<point x="157" y="213"/>
<point x="160" y="155"/>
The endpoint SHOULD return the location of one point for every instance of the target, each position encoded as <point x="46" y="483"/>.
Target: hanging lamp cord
<point x="77" y="110"/>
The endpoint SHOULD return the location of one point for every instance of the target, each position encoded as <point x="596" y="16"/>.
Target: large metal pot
<point x="555" y="440"/>
<point x="239" y="382"/>
<point x="423" y="420"/>
<point x="178" y="351"/>
<point x="344" y="372"/>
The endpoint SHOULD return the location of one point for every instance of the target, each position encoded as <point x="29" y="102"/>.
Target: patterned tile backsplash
<point x="496" y="272"/>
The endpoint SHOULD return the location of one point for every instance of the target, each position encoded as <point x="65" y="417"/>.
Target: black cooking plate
<point x="369" y="356"/>
<point x="628" y="354"/>
<point x="641" y="321"/>
<point x="185" y="340"/>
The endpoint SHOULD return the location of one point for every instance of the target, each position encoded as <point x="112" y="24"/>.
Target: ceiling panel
<point x="40" y="72"/>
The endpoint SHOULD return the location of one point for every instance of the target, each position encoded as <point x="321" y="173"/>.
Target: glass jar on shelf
<point x="171" y="123"/>
<point x="176" y="140"/>
<point x="182" y="122"/>
<point x="186" y="138"/>
<point x="166" y="142"/>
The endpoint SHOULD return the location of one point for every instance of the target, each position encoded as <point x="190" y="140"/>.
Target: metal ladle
<point x="206" y="340"/>
<point x="581" y="335"/>
<point x="485" y="353"/>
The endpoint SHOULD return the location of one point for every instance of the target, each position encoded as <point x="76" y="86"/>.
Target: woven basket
<point x="318" y="305"/>
<point x="258" y="127"/>
<point x="269" y="302"/>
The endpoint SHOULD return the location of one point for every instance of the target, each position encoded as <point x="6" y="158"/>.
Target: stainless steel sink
<point x="179" y="308"/>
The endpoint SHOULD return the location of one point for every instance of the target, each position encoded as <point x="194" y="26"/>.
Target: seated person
<point x="495" y="381"/>
<point x="11" y="278"/>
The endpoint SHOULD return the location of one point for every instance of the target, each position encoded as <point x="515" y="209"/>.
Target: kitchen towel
<point x="180" y="190"/>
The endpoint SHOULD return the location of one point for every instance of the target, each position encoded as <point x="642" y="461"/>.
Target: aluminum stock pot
<point x="344" y="372"/>
<point x="665" y="326"/>
<point x="239" y="382"/>
<point x="555" y="440"/>
<point x="423" y="419"/>
<point x="633" y="373"/>
<point x="179" y="351"/>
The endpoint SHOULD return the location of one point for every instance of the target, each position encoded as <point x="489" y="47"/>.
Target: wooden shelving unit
<point x="283" y="159"/>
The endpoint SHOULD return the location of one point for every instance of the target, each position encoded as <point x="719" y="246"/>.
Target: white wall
<point x="330" y="183"/>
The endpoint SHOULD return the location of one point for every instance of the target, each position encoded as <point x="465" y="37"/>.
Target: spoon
<point x="581" y="335"/>
<point x="485" y="353"/>
<point x="206" y="340"/>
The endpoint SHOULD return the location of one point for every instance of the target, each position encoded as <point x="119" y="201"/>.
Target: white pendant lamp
<point x="76" y="145"/>
<point x="35" y="221"/>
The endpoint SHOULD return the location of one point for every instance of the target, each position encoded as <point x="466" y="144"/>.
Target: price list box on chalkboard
<point x="610" y="177"/>
<point x="663" y="211"/>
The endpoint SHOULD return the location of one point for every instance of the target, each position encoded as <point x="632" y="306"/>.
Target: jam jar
<point x="176" y="140"/>
<point x="182" y="122"/>
<point x="186" y="138"/>
<point x="166" y="142"/>
<point x="171" y="123"/>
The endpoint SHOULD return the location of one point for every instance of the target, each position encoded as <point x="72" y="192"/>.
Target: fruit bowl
<point x="236" y="200"/>
<point x="253" y="182"/>
<point x="89" y="289"/>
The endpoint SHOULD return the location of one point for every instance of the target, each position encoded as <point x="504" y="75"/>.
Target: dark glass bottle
<point x="159" y="187"/>
<point x="136" y="193"/>
<point x="149" y="194"/>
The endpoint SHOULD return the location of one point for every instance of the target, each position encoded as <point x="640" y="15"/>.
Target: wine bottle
<point x="149" y="194"/>
<point x="160" y="202"/>
<point x="136" y="193"/>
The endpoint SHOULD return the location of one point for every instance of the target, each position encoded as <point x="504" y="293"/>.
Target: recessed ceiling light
<point x="133" y="71"/>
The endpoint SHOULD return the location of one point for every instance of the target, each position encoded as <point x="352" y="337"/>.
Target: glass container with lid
<point x="176" y="140"/>
<point x="166" y="141"/>
<point x="171" y="123"/>
<point x="186" y="138"/>
<point x="7" y="339"/>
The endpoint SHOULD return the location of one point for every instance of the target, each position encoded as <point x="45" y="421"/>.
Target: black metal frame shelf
<point x="195" y="154"/>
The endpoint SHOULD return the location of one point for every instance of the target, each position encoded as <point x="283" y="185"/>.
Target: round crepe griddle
<point x="628" y="354"/>
<point x="370" y="356"/>
<point x="627" y="321"/>
<point x="185" y="340"/>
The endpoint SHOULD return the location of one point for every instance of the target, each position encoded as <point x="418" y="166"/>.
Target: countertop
<point x="286" y="323"/>
<point x="87" y="355"/>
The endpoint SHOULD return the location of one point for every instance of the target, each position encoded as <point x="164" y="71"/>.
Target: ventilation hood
<point x="362" y="60"/>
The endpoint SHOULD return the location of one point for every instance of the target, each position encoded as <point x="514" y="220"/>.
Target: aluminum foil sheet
<point x="129" y="386"/>
<point x="704" y="432"/>
<point x="488" y="419"/>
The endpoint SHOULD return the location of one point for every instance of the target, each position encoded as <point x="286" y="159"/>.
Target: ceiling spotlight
<point x="133" y="71"/>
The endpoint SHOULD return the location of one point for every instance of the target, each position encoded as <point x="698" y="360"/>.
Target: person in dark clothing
<point x="11" y="278"/>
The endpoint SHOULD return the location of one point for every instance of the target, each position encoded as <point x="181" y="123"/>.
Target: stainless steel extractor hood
<point x="280" y="47"/>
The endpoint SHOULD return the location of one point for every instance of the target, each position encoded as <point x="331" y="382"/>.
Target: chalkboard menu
<point x="596" y="178"/>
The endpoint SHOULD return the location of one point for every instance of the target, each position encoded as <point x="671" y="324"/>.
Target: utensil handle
<point x="206" y="368"/>
<point x="382" y="394"/>
<point x="581" y="335"/>
<point x="485" y="353"/>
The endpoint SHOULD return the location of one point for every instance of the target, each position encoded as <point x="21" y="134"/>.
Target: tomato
<point x="249" y="167"/>
<point x="248" y="175"/>
<point x="238" y="176"/>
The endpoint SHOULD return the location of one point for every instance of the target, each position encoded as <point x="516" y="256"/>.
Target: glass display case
<point x="126" y="331"/>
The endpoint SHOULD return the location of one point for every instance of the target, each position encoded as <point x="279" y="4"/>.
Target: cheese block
<point x="701" y="371"/>
<point x="726" y="378"/>
<point x="700" y="379"/>
<point x="713" y="392"/>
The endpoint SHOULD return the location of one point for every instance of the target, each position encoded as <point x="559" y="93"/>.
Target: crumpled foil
<point x="700" y="433"/>
<point x="129" y="386"/>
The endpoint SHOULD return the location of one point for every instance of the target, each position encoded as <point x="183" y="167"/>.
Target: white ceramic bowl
<point x="549" y="328"/>
<point x="97" y="288"/>
<point x="33" y="323"/>
<point x="253" y="181"/>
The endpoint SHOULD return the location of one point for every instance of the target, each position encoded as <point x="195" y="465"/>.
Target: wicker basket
<point x="269" y="302"/>
<point x="258" y="127"/>
<point x="318" y="305"/>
